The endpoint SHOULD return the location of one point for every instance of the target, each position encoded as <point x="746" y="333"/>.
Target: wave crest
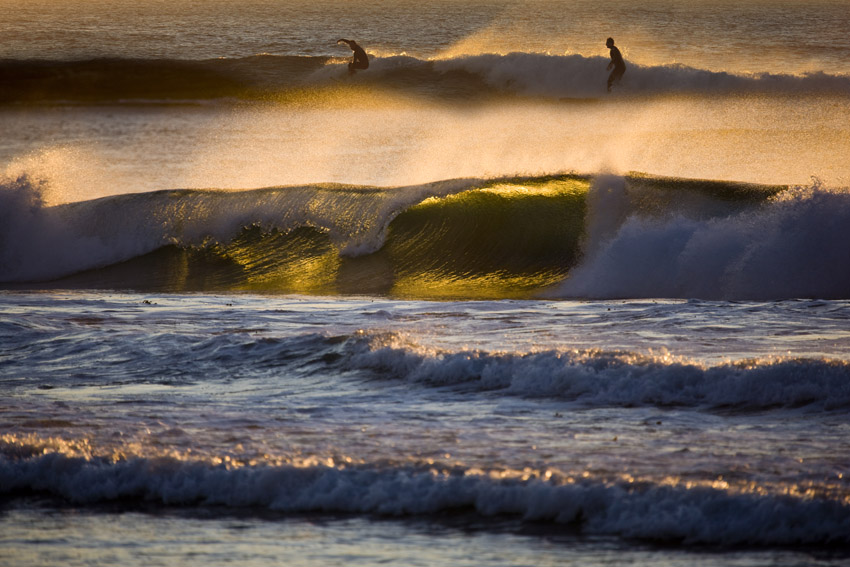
<point x="603" y="378"/>
<point x="652" y="512"/>
<point x="563" y="236"/>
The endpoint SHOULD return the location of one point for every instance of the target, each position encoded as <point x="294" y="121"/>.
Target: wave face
<point x="298" y="79"/>
<point x="450" y="237"/>
<point x="563" y="236"/>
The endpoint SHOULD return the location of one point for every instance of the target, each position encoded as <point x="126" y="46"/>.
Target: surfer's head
<point x="609" y="42"/>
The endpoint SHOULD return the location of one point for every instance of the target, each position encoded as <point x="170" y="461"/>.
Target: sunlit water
<point x="155" y="429"/>
<point x="85" y="153"/>
<point x="776" y="36"/>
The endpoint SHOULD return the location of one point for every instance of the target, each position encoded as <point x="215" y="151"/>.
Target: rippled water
<point x="681" y="400"/>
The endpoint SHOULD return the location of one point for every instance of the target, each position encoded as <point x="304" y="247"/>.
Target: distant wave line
<point x="285" y="78"/>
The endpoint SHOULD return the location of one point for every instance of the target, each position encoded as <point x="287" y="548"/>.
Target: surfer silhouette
<point x="359" y="60"/>
<point x="616" y="62"/>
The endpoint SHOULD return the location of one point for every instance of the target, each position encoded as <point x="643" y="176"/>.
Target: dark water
<point x="379" y="428"/>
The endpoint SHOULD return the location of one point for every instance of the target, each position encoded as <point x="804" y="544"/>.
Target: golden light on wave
<point x="489" y="286"/>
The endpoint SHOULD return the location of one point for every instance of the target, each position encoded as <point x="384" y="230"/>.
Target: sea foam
<point x="600" y="378"/>
<point x="794" y="245"/>
<point x="666" y="513"/>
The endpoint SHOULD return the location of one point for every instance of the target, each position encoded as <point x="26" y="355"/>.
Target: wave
<point x="673" y="513"/>
<point x="587" y="378"/>
<point x="598" y="378"/>
<point x="566" y="236"/>
<point x="300" y="79"/>
<point x="786" y="248"/>
<point x="321" y="238"/>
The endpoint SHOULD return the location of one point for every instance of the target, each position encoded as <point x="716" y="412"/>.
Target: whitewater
<point x="464" y="307"/>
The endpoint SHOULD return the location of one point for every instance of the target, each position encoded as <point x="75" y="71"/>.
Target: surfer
<point x="359" y="60"/>
<point x="616" y="62"/>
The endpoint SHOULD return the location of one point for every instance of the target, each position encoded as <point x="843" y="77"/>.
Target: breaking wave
<point x="785" y="248"/>
<point x="598" y="378"/>
<point x="300" y="78"/>
<point x="646" y="511"/>
<point x="565" y="236"/>
<point x="584" y="378"/>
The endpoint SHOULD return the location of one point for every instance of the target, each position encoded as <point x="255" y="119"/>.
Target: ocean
<point x="464" y="307"/>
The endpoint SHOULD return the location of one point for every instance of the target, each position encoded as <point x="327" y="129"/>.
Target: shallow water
<point x="133" y="538"/>
<point x="474" y="421"/>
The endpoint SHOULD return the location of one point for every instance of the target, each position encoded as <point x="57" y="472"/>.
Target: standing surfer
<point x="616" y="62"/>
<point x="359" y="60"/>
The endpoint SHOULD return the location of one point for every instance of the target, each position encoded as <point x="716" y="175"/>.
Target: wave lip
<point x="646" y="511"/>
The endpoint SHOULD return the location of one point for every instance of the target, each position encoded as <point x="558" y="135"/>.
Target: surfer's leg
<point x="615" y="77"/>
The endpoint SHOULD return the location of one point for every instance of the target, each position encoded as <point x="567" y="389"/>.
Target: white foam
<point x="602" y="378"/>
<point x="646" y="511"/>
<point x="578" y="76"/>
<point x="39" y="242"/>
<point x="794" y="246"/>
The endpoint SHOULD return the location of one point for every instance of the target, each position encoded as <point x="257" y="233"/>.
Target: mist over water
<point x="715" y="90"/>
<point x="751" y="139"/>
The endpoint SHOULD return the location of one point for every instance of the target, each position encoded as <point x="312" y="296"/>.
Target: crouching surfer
<point x="359" y="60"/>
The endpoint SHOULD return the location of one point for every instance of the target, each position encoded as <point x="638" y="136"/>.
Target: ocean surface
<point x="462" y="308"/>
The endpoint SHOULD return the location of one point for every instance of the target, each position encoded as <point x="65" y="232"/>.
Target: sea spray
<point x="309" y="80"/>
<point x="790" y="246"/>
